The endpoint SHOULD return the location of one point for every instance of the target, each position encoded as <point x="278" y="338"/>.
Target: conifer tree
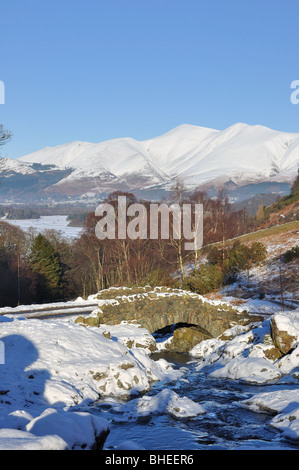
<point x="46" y="265"/>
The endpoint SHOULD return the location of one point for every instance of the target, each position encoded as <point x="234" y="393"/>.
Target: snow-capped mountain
<point x="242" y="154"/>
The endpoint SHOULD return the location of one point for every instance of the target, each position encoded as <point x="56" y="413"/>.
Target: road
<point x="52" y="309"/>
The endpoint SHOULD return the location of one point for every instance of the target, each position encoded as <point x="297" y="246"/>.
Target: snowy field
<point x="51" y="369"/>
<point x="49" y="222"/>
<point x="50" y="366"/>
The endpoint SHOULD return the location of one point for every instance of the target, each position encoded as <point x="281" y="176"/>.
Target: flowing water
<point x="224" y="426"/>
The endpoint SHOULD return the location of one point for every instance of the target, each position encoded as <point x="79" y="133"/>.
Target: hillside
<point x="287" y="213"/>
<point x="284" y="210"/>
<point x="273" y="284"/>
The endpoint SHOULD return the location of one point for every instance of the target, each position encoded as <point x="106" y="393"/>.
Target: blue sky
<point x="94" y="70"/>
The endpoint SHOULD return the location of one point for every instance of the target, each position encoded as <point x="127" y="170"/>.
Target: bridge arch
<point x="155" y="312"/>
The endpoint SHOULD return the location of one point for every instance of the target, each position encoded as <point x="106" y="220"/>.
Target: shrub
<point x="160" y="277"/>
<point x="206" y="279"/>
<point x="291" y="254"/>
<point x="238" y="257"/>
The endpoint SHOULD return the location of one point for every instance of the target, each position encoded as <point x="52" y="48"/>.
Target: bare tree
<point x="176" y="236"/>
<point x="5" y="135"/>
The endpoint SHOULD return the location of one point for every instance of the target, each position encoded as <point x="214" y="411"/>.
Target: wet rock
<point x="185" y="338"/>
<point x="283" y="337"/>
<point x="88" y="321"/>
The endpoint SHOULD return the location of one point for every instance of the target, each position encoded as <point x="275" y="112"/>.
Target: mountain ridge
<point x="198" y="156"/>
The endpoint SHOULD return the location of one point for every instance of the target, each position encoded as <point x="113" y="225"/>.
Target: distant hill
<point x="247" y="159"/>
<point x="252" y="204"/>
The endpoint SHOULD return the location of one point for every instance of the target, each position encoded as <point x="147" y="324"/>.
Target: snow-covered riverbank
<point x="250" y="357"/>
<point x="54" y="368"/>
<point x="59" y="223"/>
<point x="50" y="366"/>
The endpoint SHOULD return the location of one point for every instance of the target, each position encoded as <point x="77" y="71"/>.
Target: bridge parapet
<point x="156" y="309"/>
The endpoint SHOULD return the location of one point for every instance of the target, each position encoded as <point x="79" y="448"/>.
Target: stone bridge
<point x="155" y="312"/>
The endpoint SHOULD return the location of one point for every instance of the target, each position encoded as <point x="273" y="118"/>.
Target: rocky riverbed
<point x="59" y="376"/>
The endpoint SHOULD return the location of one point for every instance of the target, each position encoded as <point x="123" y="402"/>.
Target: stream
<point x="224" y="426"/>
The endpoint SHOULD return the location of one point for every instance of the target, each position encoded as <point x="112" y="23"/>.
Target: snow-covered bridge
<point x="155" y="312"/>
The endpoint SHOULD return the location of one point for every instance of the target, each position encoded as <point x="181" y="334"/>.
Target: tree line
<point x="48" y="267"/>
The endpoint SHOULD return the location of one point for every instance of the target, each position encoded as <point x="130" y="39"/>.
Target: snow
<point x="165" y="402"/>
<point x="272" y="402"/>
<point x="13" y="439"/>
<point x="256" y="370"/>
<point x="288" y="322"/>
<point x="78" y="306"/>
<point x="48" y="222"/>
<point x="54" y="368"/>
<point x="242" y="153"/>
<point x="7" y="166"/>
<point x="74" y="428"/>
<point x="243" y="358"/>
<point x="284" y="405"/>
